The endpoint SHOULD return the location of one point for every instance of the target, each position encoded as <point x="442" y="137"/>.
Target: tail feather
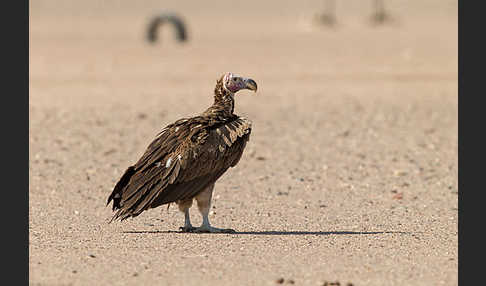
<point x="116" y="195"/>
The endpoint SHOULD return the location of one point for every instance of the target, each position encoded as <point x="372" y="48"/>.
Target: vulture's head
<point x="234" y="83"/>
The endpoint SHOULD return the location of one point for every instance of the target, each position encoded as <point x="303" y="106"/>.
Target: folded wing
<point x="182" y="160"/>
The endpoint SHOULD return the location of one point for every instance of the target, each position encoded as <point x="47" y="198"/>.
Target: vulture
<point x="186" y="158"/>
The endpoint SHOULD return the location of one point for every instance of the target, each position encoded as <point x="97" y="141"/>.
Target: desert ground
<point x="350" y="174"/>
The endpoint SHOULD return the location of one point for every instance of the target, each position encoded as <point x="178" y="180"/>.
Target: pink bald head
<point x="234" y="83"/>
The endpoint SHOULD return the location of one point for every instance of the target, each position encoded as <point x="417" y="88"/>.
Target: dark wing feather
<point x="115" y="195"/>
<point x="183" y="159"/>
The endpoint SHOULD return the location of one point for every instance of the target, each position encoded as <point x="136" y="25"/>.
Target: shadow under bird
<point x="186" y="158"/>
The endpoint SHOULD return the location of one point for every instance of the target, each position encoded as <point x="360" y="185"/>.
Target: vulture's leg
<point x="204" y="204"/>
<point x="184" y="207"/>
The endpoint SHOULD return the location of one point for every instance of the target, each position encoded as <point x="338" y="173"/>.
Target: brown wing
<point x="165" y="143"/>
<point x="186" y="157"/>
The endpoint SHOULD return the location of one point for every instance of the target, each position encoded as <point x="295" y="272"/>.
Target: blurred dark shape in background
<point x="329" y="16"/>
<point x="380" y="16"/>
<point x="166" y="17"/>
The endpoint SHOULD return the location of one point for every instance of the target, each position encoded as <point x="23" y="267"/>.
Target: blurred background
<point x="93" y="57"/>
<point x="101" y="44"/>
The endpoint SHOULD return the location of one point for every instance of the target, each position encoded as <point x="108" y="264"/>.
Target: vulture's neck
<point x="224" y="102"/>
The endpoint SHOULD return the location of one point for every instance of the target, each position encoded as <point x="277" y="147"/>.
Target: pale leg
<point x="184" y="207"/>
<point x="204" y="204"/>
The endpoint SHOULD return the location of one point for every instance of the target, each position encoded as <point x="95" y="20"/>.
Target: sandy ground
<point x="350" y="174"/>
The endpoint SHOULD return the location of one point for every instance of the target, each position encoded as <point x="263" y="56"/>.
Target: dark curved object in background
<point x="160" y="19"/>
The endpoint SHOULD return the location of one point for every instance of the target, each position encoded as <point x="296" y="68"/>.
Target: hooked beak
<point x="250" y="84"/>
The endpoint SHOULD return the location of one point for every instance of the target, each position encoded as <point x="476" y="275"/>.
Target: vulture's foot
<point x="187" y="228"/>
<point x="210" y="229"/>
